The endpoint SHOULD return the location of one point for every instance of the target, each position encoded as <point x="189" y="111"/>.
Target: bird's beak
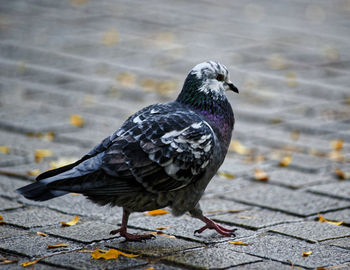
<point x="232" y="87"/>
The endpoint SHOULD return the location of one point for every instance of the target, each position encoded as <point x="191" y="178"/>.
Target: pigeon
<point x="162" y="156"/>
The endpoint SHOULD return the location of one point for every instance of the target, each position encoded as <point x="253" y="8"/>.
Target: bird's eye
<point x="220" y="77"/>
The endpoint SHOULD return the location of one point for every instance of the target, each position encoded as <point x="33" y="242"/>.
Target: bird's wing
<point x="99" y="148"/>
<point x="162" y="148"/>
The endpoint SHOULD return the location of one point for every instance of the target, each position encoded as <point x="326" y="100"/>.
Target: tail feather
<point x="39" y="192"/>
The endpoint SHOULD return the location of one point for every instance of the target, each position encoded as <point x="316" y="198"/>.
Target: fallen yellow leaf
<point x="150" y="268"/>
<point x="110" y="37"/>
<point x="295" y="135"/>
<point x="157" y="212"/>
<point x="70" y="223"/>
<point x="254" y="158"/>
<point x="22" y="67"/>
<point x="4" y="149"/>
<point x="323" y="219"/>
<point x="239" y="148"/>
<point x="78" y="2"/>
<point x="40" y="154"/>
<point x="260" y="175"/>
<point x="34" y="172"/>
<point x="238" y="243"/>
<point x="60" y="244"/>
<point x="341" y="175"/>
<point x="165" y="87"/>
<point x="76" y="120"/>
<point x="277" y="62"/>
<point x="163" y="234"/>
<point x="306" y="253"/>
<point x="331" y="54"/>
<point x="126" y="79"/>
<point x="337" y="144"/>
<point x="291" y="79"/>
<point x="1" y="219"/>
<point x="6" y="261"/>
<point x="285" y="161"/>
<point x="109" y="254"/>
<point x="337" y="156"/>
<point x="149" y="84"/>
<point x="61" y="162"/>
<point x="48" y="136"/>
<point x="163" y="227"/>
<point x="41" y="234"/>
<point x="226" y="175"/>
<point x="25" y="264"/>
<point x="246" y="217"/>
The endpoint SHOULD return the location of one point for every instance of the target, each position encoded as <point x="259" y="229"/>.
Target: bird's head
<point x="210" y="79"/>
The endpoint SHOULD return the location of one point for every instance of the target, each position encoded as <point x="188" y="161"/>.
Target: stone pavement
<point x="103" y="60"/>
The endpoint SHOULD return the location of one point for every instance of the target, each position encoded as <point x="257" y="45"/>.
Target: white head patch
<point x="208" y="73"/>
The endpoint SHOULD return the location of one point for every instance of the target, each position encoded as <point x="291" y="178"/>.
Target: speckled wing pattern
<point x="163" y="147"/>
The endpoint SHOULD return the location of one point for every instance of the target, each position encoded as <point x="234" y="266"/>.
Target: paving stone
<point x="10" y="257"/>
<point x="24" y="171"/>
<point x="7" y="231"/>
<point x="215" y="206"/>
<point x="235" y="166"/>
<point x="25" y="146"/>
<point x="339" y="242"/>
<point x="218" y="185"/>
<point x="308" y="163"/>
<point x="83" y="260"/>
<point x="7" y="204"/>
<point x="34" y="217"/>
<point x="79" y="205"/>
<point x="264" y="265"/>
<point x="278" y="198"/>
<point x="85" y="232"/>
<point x="33" y="121"/>
<point x="158" y="247"/>
<point x="8" y="185"/>
<point x="256" y="218"/>
<point x="35" y="245"/>
<point x="159" y="266"/>
<point x="183" y="227"/>
<point x="11" y="159"/>
<point x="211" y="258"/>
<point x="337" y="189"/>
<point x="18" y="260"/>
<point x="341" y="215"/>
<point x="312" y="231"/>
<point x="286" y="250"/>
<point x="295" y="179"/>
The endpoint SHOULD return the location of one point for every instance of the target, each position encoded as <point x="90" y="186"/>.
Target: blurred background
<point x="71" y="71"/>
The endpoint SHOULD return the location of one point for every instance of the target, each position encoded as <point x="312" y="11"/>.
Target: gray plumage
<point x="163" y="155"/>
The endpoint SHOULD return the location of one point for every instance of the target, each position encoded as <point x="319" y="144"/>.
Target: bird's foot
<point x="210" y="224"/>
<point x="132" y="237"/>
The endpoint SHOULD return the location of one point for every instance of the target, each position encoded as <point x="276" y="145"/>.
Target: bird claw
<point x="133" y="237"/>
<point x="210" y="224"/>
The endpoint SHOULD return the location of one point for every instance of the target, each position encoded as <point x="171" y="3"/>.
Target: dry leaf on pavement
<point x="70" y="223"/>
<point x="109" y="254"/>
<point x="157" y="212"/>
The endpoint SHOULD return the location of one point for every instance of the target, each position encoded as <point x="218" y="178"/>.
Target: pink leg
<point x="210" y="224"/>
<point x="128" y="236"/>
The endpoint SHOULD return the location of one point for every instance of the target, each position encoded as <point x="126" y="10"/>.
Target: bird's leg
<point x="128" y="236"/>
<point x="210" y="224"/>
